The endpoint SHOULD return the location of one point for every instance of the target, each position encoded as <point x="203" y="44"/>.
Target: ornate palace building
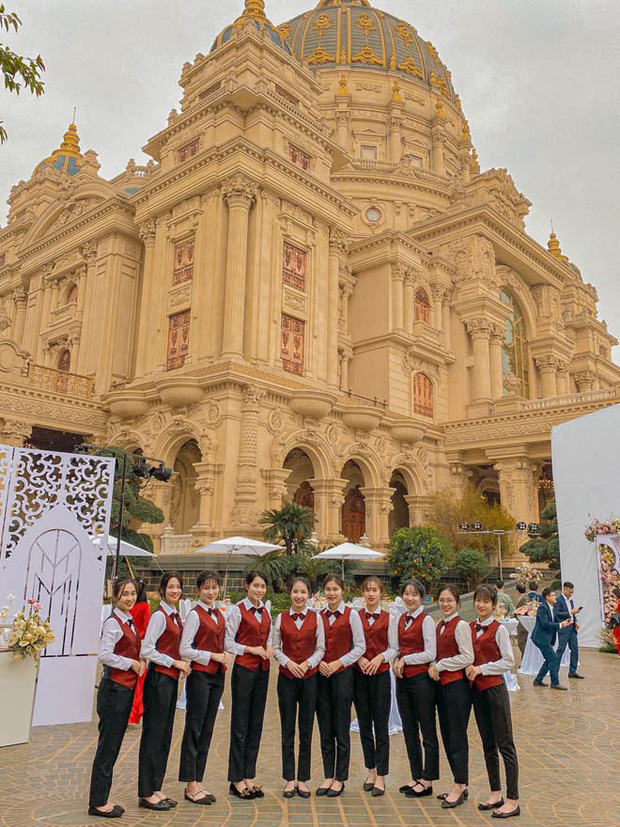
<point x="312" y="291"/>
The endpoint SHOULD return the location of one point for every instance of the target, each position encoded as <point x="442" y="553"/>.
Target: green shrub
<point x="472" y="565"/>
<point x="419" y="552"/>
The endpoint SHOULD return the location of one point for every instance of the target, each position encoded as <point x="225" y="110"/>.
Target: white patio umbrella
<point x="349" y="551"/>
<point x="127" y="549"/>
<point x="236" y="545"/>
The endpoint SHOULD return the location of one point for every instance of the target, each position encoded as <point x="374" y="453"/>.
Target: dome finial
<point x="553" y="245"/>
<point x="254" y="9"/>
<point x="68" y="157"/>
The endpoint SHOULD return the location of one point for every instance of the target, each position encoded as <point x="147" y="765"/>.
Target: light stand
<point x="520" y="528"/>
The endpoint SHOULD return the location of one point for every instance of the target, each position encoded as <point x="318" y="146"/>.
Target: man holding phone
<point x="564" y="609"/>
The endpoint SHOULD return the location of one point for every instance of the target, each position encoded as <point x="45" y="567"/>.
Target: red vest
<point x="253" y="632"/>
<point x="376" y="637"/>
<point x="209" y="638"/>
<point x="411" y="641"/>
<point x="486" y="650"/>
<point x="338" y="636"/>
<point x="127" y="647"/>
<point x="169" y="643"/>
<point x="298" y="644"/>
<point x="447" y="647"/>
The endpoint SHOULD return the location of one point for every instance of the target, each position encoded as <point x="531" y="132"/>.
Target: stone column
<point x="438" y="291"/>
<point x="342" y="130"/>
<point x="328" y="500"/>
<point x="517" y="487"/>
<point x="419" y="509"/>
<point x="147" y="231"/>
<point x="15" y="433"/>
<point x="562" y="379"/>
<point x="345" y="357"/>
<point x="408" y="301"/>
<point x="437" y="151"/>
<point x="480" y="330"/>
<point x="447" y="320"/>
<point x="547" y="366"/>
<point x="585" y="381"/>
<point x="244" y="514"/>
<point x="398" y="277"/>
<point x="337" y="245"/>
<point x="495" y="358"/>
<point x="395" y="138"/>
<point x="239" y="193"/>
<point x="378" y="506"/>
<point x="206" y="473"/>
<point x="20" y="300"/>
<point x="277" y="489"/>
<point x="345" y="292"/>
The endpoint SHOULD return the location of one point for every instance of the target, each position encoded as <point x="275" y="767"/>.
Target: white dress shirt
<point x="319" y="651"/>
<point x="190" y="628"/>
<point x="429" y="634"/>
<point x="357" y="630"/>
<point x="502" y="638"/>
<point x="233" y="621"/>
<point x="110" y="636"/>
<point x="465" y="657"/>
<point x="390" y="652"/>
<point x="155" y="629"/>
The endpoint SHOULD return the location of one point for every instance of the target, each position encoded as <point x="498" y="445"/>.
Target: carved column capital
<point x="147" y="231"/>
<point x="239" y="191"/>
<point x="479" y="328"/>
<point x="546" y="363"/>
<point x="338" y="241"/>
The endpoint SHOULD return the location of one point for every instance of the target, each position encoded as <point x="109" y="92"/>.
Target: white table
<point x="532" y="658"/>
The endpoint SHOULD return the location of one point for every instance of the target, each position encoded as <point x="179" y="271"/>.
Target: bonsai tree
<point x="546" y="547"/>
<point x="420" y="552"/>
<point x="292" y="524"/>
<point x="472" y="565"/>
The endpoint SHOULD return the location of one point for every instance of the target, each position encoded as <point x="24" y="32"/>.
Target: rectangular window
<point x="298" y="157"/>
<point x="189" y="150"/>
<point x="213" y="88"/>
<point x="368" y="153"/>
<point x="178" y="340"/>
<point x="183" y="261"/>
<point x="294" y="266"/>
<point x="293" y="335"/>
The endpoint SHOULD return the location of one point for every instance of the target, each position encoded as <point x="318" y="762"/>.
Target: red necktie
<point x="297" y="616"/>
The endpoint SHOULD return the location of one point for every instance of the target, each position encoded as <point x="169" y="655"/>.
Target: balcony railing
<point x="571" y="399"/>
<point x="59" y="381"/>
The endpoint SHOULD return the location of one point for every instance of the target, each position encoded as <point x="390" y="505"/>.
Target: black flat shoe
<point x="415" y="794"/>
<point x="405" y="787"/>
<point x="245" y="794"/>
<point x="257" y="791"/>
<point x="154" y="805"/>
<point x="367" y="786"/>
<point x="206" y="799"/>
<point x="115" y="812"/>
<point x="322" y="791"/>
<point x="497" y="804"/>
<point x="212" y="798"/>
<point x="303" y="793"/>
<point x="576" y="675"/>
<point x="377" y="791"/>
<point x="443" y="796"/>
<point x="511" y="814"/>
<point x="538" y="683"/>
<point x="331" y="793"/>
<point x="171" y="801"/>
<point x="289" y="793"/>
<point x="449" y="805"/>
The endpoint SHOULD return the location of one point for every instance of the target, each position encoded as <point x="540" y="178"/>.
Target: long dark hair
<point x="141" y="586"/>
<point x="166" y="578"/>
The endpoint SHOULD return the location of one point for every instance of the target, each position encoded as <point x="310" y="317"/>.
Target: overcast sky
<point x="537" y="79"/>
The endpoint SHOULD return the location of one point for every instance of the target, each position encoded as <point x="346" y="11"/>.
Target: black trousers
<point x="454" y="707"/>
<point x="333" y="712"/>
<point x="160" y="699"/>
<point x="373" y="700"/>
<point x="203" y="693"/>
<point x="113" y="708"/>
<point x="294" y="694"/>
<point x="249" y="696"/>
<point x="492" y="712"/>
<point x="416" y="698"/>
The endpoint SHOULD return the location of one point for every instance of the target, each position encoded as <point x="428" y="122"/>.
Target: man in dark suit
<point x="564" y="609"/>
<point x="533" y="593"/>
<point x="544" y="636"/>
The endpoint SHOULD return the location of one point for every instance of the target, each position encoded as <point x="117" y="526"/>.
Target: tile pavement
<point x="568" y="747"/>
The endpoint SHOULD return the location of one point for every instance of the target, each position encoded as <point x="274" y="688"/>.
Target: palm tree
<point x="292" y="523"/>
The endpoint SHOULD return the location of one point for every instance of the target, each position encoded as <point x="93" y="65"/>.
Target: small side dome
<point x="67" y="158"/>
<point x="254" y="12"/>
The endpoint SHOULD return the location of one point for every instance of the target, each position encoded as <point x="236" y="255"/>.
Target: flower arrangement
<point x="597" y="527"/>
<point x="29" y="634"/>
<point x="524" y="573"/>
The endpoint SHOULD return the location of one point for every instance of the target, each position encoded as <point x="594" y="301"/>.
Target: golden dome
<point x="67" y="158"/>
<point x="254" y="13"/>
<point x="353" y="34"/>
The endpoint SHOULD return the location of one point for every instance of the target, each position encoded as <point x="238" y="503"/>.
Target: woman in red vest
<point x="299" y="646"/>
<point x="415" y="691"/>
<point x="492" y="658"/>
<point x="141" y="614"/>
<point x="161" y="647"/>
<point x="202" y="642"/>
<point x="248" y="636"/>
<point x="344" y="646"/>
<point x="119" y="652"/>
<point x="454" y="654"/>
<point x="372" y="691"/>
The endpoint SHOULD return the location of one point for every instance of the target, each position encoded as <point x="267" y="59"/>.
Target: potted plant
<point x="21" y="644"/>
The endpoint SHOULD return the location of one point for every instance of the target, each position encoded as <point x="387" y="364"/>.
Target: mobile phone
<point x="580" y="608"/>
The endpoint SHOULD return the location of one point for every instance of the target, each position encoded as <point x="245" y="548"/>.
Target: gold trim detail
<point x="411" y="67"/>
<point x="366" y="55"/>
<point x="320" y="55"/>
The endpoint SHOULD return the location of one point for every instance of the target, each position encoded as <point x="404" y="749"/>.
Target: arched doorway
<point x="354" y="505"/>
<point x="305" y="495"/>
<point x="399" y="515"/>
<point x="185" y="500"/>
<point x="299" y="489"/>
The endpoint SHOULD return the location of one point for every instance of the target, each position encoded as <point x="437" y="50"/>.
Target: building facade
<point x="311" y="292"/>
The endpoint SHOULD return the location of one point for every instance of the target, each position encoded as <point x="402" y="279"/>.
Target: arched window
<point x="72" y="294"/>
<point x="421" y="307"/>
<point x="423" y="402"/>
<point x="515" y="360"/>
<point x="64" y="361"/>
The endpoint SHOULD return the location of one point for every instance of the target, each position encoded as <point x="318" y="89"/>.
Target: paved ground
<point x="568" y="747"/>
